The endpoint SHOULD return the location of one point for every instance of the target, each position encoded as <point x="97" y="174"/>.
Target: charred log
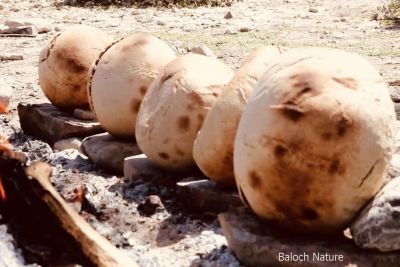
<point x="48" y="231"/>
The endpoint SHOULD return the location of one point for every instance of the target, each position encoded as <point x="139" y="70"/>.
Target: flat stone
<point x="203" y="50"/>
<point x="14" y="23"/>
<point x="108" y="152"/>
<point x="203" y="195"/>
<point x="21" y="30"/>
<point x="140" y="166"/>
<point x="378" y="225"/>
<point x="84" y="114"/>
<point x="46" y="122"/>
<point x="11" y="57"/>
<point x="70" y="143"/>
<point x="6" y="92"/>
<point x="257" y="244"/>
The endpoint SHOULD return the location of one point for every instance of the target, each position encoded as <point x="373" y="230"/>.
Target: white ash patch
<point x="10" y="255"/>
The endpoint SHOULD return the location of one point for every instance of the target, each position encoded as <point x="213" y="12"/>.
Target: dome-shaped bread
<point x="65" y="62"/>
<point x="314" y="140"/>
<point x="213" y="148"/>
<point x="121" y="78"/>
<point x="174" y="109"/>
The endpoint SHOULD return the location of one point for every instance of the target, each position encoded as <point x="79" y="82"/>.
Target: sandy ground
<point x="342" y="24"/>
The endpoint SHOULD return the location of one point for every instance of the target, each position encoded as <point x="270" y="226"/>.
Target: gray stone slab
<point x="46" y="122"/>
<point x="108" y="152"/>
<point x="140" y="166"/>
<point x="257" y="244"/>
<point x="199" y="194"/>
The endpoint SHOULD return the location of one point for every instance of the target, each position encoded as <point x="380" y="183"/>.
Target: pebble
<point x="136" y="12"/>
<point x="228" y="15"/>
<point x="244" y="29"/>
<point x="44" y="29"/>
<point x="14" y="9"/>
<point x="161" y="23"/>
<point x="70" y="143"/>
<point x="313" y="10"/>
<point x="203" y="50"/>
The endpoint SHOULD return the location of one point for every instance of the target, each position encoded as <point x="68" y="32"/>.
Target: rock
<point x="203" y="195"/>
<point x="378" y="225"/>
<point x="394" y="167"/>
<point x="57" y="29"/>
<point x="11" y="57"/>
<point x="244" y="29"/>
<point x="228" y="32"/>
<point x="136" y="12"/>
<point x="84" y="114"/>
<point x="14" y="9"/>
<point x="397" y="138"/>
<point x="107" y="152"/>
<point x="343" y="20"/>
<point x="48" y="123"/>
<point x="152" y="204"/>
<point x="203" y="50"/>
<point x="6" y="92"/>
<point x="397" y="109"/>
<point x="13" y="23"/>
<point x="139" y="166"/>
<point x="313" y="10"/>
<point x="256" y="243"/>
<point x="161" y="23"/>
<point x="228" y="15"/>
<point x="70" y="143"/>
<point x="394" y="83"/>
<point x="39" y="25"/>
<point x="21" y="30"/>
<point x="44" y="29"/>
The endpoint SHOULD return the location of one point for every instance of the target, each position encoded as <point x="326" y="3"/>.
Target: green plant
<point x="390" y="12"/>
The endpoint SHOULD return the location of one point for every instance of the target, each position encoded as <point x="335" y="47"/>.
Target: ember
<point x="4" y="146"/>
<point x="3" y="196"/>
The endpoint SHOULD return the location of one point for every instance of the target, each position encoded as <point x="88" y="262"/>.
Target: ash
<point x="168" y="237"/>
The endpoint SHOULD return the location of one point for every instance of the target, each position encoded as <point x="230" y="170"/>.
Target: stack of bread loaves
<point x="305" y="134"/>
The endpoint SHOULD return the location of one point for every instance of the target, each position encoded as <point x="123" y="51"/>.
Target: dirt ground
<point x="181" y="240"/>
